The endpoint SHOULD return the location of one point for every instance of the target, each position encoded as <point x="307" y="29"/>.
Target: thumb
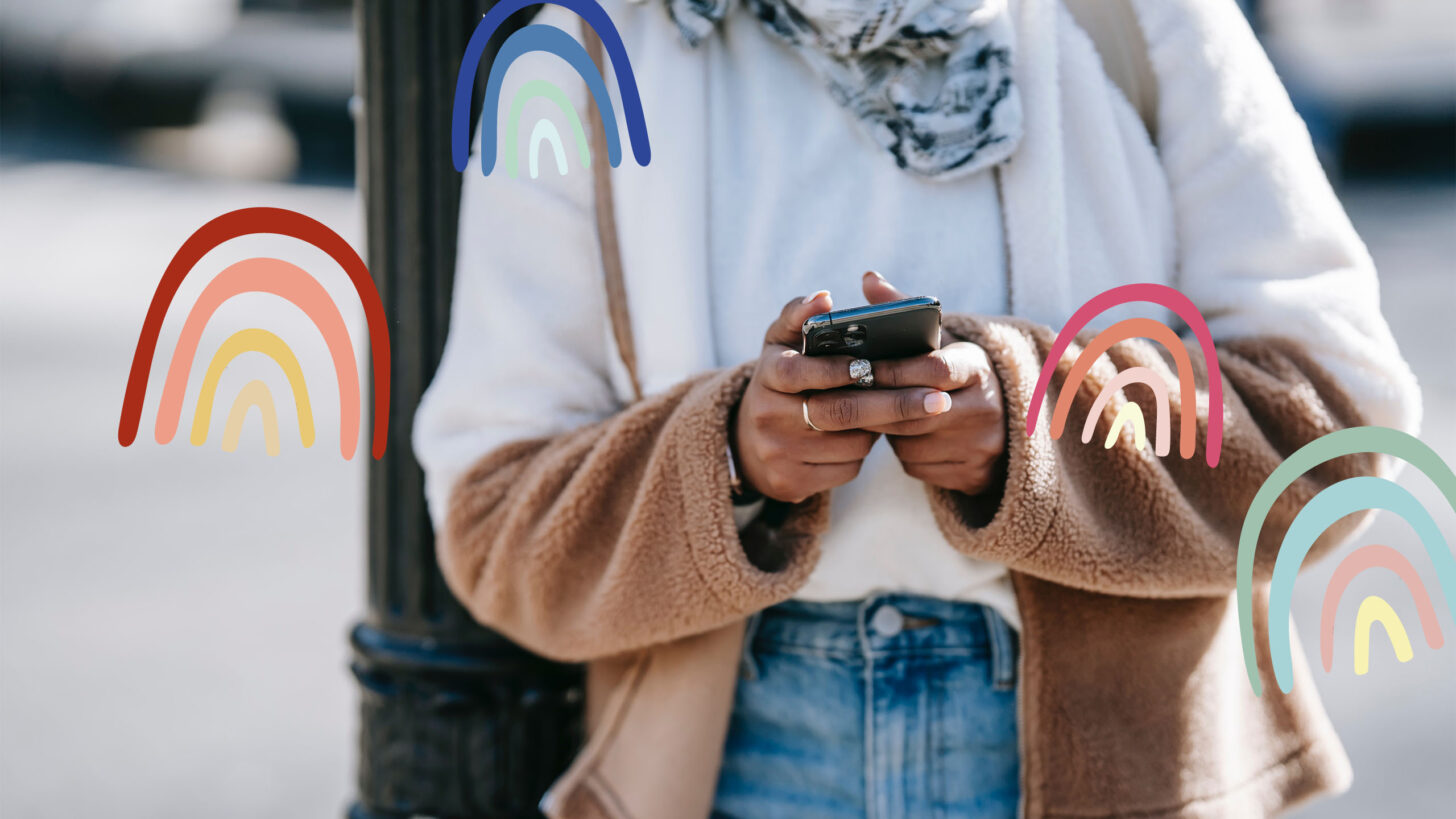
<point x="788" y="329"/>
<point x="877" y="290"/>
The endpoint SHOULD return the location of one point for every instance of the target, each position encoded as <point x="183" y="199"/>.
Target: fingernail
<point x="875" y="274"/>
<point x="937" y="402"/>
<point x="815" y="295"/>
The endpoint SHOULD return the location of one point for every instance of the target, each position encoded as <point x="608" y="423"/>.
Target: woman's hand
<point x="958" y="449"/>
<point x="780" y="455"/>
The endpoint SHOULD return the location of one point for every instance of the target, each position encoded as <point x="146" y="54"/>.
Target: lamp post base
<point x="476" y="730"/>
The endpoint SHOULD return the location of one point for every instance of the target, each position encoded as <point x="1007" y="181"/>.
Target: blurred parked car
<point x="1388" y="65"/>
<point x="242" y="88"/>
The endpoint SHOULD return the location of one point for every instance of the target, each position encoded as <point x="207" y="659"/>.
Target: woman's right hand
<point x="778" y="454"/>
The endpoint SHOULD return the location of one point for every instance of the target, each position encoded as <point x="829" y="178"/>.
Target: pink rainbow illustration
<point x="1145" y="292"/>
<point x="1374" y="556"/>
<point x="288" y="281"/>
<point x="1133" y="328"/>
<point x="1162" y="440"/>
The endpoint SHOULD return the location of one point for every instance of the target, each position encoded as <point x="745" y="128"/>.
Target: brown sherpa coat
<point x="615" y="544"/>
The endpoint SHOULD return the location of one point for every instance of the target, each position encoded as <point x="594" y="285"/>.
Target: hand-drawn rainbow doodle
<point x="1375" y="608"/>
<point x="281" y="279"/>
<point x="537" y="37"/>
<point x="1131" y="412"/>
<point x="1327" y="507"/>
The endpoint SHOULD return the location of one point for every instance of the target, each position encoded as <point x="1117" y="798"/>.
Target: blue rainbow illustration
<point x="538" y="37"/>
<point x="544" y="128"/>
<point x="545" y="131"/>
<point x="1327" y="507"/>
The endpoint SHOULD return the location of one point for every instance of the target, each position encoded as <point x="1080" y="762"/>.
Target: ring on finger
<point x="862" y="372"/>
<point x="805" y="405"/>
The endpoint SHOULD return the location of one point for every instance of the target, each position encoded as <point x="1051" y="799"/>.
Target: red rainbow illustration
<point x="1133" y="328"/>
<point x="269" y="276"/>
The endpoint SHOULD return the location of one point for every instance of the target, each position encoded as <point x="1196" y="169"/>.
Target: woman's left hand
<point x="959" y="449"/>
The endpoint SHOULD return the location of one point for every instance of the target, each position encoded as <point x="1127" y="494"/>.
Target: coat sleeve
<point x="620" y="534"/>
<point x="1292" y="301"/>
<point x="575" y="526"/>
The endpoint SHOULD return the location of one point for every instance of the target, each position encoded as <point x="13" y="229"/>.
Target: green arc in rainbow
<point x="530" y="90"/>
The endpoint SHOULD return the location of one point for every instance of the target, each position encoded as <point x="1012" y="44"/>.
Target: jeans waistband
<point x="886" y="626"/>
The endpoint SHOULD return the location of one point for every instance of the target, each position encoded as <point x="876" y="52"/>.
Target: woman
<point x="981" y="619"/>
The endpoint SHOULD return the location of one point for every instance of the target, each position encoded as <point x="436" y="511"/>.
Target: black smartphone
<point x="895" y="329"/>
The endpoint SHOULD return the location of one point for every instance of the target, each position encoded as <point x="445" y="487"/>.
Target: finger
<point x="788" y="329"/>
<point x="837" y="447"/>
<point x="971" y="448"/>
<point x="788" y="371"/>
<point x="802" y="481"/>
<point x="859" y="409"/>
<point x="974" y="409"/>
<point x="953" y="367"/>
<point x="877" y="290"/>
<point x="917" y="428"/>
<point x="791" y="442"/>
<point x="787" y="439"/>
<point x="828" y="476"/>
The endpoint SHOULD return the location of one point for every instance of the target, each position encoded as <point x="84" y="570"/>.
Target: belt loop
<point x="1003" y="650"/>
<point x="747" y="666"/>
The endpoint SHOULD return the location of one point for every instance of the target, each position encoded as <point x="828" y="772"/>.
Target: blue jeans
<point x="890" y="707"/>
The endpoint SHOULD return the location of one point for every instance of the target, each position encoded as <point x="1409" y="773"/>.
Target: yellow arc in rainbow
<point x="1130" y="413"/>
<point x="253" y="340"/>
<point x="1373" y="609"/>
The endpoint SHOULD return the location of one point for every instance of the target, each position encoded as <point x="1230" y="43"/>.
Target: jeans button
<point x="888" y="621"/>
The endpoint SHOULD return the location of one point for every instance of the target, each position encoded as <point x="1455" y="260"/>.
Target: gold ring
<point x="805" y="405"/>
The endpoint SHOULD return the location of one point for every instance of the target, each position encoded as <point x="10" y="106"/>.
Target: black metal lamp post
<point x="456" y="722"/>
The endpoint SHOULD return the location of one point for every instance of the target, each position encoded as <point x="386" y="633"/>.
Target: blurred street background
<point x="173" y="618"/>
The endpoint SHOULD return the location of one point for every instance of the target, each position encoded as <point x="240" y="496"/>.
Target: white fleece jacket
<point x="1231" y="207"/>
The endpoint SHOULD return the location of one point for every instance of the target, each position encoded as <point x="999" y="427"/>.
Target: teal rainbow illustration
<point x="1374" y="608"/>
<point x="1324" y="509"/>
